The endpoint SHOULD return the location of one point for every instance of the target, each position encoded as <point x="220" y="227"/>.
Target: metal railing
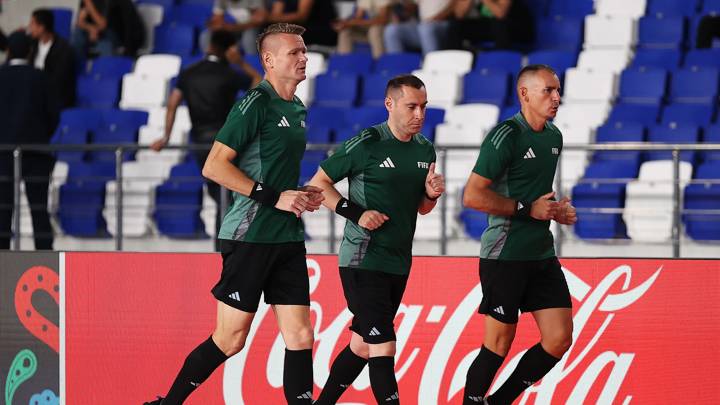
<point x="442" y="154"/>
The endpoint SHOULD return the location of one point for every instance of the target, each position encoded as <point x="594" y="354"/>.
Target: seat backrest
<point x="585" y="85"/>
<point x="559" y="60"/>
<point x="646" y="114"/>
<point x="604" y="59"/>
<point x="668" y="59"/>
<point x="697" y="114"/>
<point x="571" y="8"/>
<point x="603" y="31"/>
<point x="63" y="21"/>
<point x="620" y="132"/>
<point x="353" y="63"/>
<point x="115" y="66"/>
<point x="668" y="8"/>
<point x="661" y="32"/>
<point x="315" y="64"/>
<point x="663" y="170"/>
<point x="160" y="65"/>
<point x="629" y="8"/>
<point x="509" y="61"/>
<point x="473" y="115"/>
<point x="643" y="85"/>
<point x="448" y="61"/>
<point x="486" y="86"/>
<point x="392" y="64"/>
<point x="443" y="88"/>
<point x="565" y="33"/>
<point x="336" y="90"/>
<point x="97" y="92"/>
<point x="708" y="58"/>
<point x="176" y="39"/>
<point x="695" y="85"/>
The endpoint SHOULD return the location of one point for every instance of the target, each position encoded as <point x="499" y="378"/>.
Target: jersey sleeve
<point x="244" y="122"/>
<point x="496" y="152"/>
<point x="347" y="160"/>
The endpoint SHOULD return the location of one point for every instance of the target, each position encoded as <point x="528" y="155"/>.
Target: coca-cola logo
<point x="439" y="333"/>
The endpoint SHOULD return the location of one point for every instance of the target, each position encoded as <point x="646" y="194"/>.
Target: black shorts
<point x="510" y="286"/>
<point x="278" y="270"/>
<point x="373" y="297"/>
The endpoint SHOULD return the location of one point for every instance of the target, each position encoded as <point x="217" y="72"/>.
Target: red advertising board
<point x="645" y="332"/>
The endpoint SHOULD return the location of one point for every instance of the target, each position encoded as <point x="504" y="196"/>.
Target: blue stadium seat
<point x="254" y="61"/>
<point x="325" y="121"/>
<point x="393" y="64"/>
<point x="619" y="132"/>
<point x="129" y="119"/>
<point x="178" y="202"/>
<point x="111" y="66"/>
<point x="70" y="136"/>
<point x="336" y="90"/>
<point x="360" y="118"/>
<point x="373" y="89"/>
<point x="166" y="4"/>
<point x="97" y="92"/>
<point x="673" y="133"/>
<point x="646" y="114"/>
<point x="668" y="59"/>
<point x="711" y="7"/>
<point x="509" y="61"/>
<point x="559" y="60"/>
<point x="86" y="119"/>
<point x="672" y="7"/>
<point x="82" y="199"/>
<point x="571" y="8"/>
<point x="352" y="63"/>
<point x="661" y="32"/>
<point x="699" y="196"/>
<point x="309" y="164"/>
<point x="195" y="15"/>
<point x="187" y="60"/>
<point x="694" y="114"/>
<point x="174" y="38"/>
<point x="709" y="58"/>
<point x="474" y="222"/>
<point x="318" y="134"/>
<point x="643" y="86"/>
<point x="602" y="186"/>
<point x="507" y="112"/>
<point x="108" y="136"/>
<point x="486" y="86"/>
<point x="433" y="117"/>
<point x="63" y="21"/>
<point x="694" y="85"/>
<point x="564" y="33"/>
<point x="712" y="135"/>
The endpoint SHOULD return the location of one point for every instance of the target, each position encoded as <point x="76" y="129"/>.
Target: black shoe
<point x="158" y="401"/>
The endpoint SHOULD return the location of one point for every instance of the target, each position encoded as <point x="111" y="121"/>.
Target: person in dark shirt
<point x="209" y="88"/>
<point x="708" y="30"/>
<point x="315" y="15"/>
<point x="53" y="54"/>
<point x="107" y="27"/>
<point x="503" y="22"/>
<point x="29" y="115"/>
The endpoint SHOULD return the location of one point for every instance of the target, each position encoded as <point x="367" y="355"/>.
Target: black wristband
<point x="522" y="208"/>
<point x="264" y="194"/>
<point x="349" y="210"/>
<point x="430" y="198"/>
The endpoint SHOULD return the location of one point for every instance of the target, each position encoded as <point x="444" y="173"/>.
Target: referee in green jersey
<point x="257" y="156"/>
<point x="512" y="182"/>
<point x="391" y="171"/>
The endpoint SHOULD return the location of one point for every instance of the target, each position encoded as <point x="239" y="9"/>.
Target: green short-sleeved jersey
<point x="521" y="164"/>
<point x="268" y="133"/>
<point x="387" y="175"/>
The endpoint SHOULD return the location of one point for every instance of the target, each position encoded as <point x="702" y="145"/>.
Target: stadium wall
<point x="115" y="328"/>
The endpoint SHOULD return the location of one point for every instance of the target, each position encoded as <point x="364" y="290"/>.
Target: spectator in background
<point x="428" y="32"/>
<point x="29" y="115"/>
<point x="210" y="88"/>
<point x="316" y="16"/>
<point x="3" y="41"/>
<point x="366" y="25"/>
<point x="107" y="27"/>
<point x="249" y="16"/>
<point x="53" y="54"/>
<point x="503" y="22"/>
<point x="708" y="30"/>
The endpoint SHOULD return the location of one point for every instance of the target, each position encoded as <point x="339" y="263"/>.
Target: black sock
<point x="199" y="364"/>
<point x="383" y="381"/>
<point x="533" y="365"/>
<point x="345" y="369"/>
<point x="480" y="375"/>
<point x="298" y="376"/>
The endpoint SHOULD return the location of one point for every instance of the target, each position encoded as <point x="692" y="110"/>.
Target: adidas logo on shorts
<point x="499" y="310"/>
<point x="235" y="296"/>
<point x="392" y="397"/>
<point x="374" y="332"/>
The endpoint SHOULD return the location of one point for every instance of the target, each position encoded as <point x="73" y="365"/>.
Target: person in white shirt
<point x="365" y="25"/>
<point x="249" y="16"/>
<point x="52" y="54"/>
<point x="428" y="32"/>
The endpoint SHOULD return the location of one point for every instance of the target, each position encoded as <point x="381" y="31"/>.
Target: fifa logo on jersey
<point x="302" y="123"/>
<point x="555" y="151"/>
<point x="423" y="165"/>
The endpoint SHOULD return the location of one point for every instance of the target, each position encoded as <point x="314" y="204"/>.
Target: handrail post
<point x="17" y="177"/>
<point x="676" y="204"/>
<point x="118" y="198"/>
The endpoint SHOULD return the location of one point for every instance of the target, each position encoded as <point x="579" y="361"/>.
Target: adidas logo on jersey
<point x="374" y="332"/>
<point x="387" y="163"/>
<point x="283" y="122"/>
<point x="499" y="310"/>
<point x="529" y="154"/>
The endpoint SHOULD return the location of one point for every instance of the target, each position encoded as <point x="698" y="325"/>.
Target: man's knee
<point x="299" y="338"/>
<point x="557" y="342"/>
<point x="499" y="343"/>
<point x="230" y="342"/>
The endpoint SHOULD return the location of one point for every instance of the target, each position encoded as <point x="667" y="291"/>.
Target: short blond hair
<point x="278" y="28"/>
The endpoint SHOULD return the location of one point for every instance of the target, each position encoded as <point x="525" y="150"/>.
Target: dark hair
<point x="278" y="28"/>
<point x="534" y="69"/>
<point x="46" y="18"/>
<point x="403" y="80"/>
<point x="222" y="40"/>
<point x="19" y="45"/>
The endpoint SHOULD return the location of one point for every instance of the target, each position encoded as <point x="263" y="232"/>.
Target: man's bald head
<point x="267" y="40"/>
<point x="530" y="71"/>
